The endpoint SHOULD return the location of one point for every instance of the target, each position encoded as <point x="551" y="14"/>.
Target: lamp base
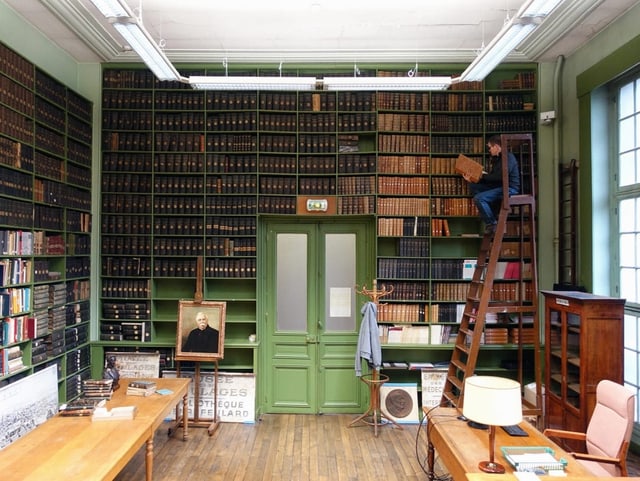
<point x="491" y="467"/>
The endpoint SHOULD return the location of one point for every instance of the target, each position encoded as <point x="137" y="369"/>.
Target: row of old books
<point x="126" y="288"/>
<point x="364" y="204"/>
<point x="277" y="205"/>
<point x="499" y="102"/>
<point x="130" y="245"/>
<point x="403" y="206"/>
<point x="16" y="66"/>
<point x="15" y="183"/>
<point x="219" y="100"/>
<point x="16" y="242"/>
<point x="11" y="360"/>
<point x="15" y="271"/>
<point x="522" y="80"/>
<point x="126" y="330"/>
<point x="357" y="185"/>
<point x="50" y="114"/>
<point x="278" y="185"/>
<point x="414" y="268"/>
<point x="126" y="203"/>
<point x="126" y="310"/>
<point x="79" y="153"/>
<point x="403" y="101"/>
<point x="181" y="205"/>
<point x="231" y="225"/>
<point x="405" y="122"/>
<point x="315" y="186"/>
<point x="129" y="100"/>
<point x="454" y="186"/>
<point x="178" y="100"/>
<point x="127" y="182"/>
<point x="126" y="224"/>
<point x="453" y="206"/>
<point x="15" y="154"/>
<point x="77" y="360"/>
<point x="142" y="162"/>
<point x="403" y="227"/>
<point x="440" y="227"/>
<point x="126" y="266"/>
<point x="403" y="186"/>
<point x="456" y="123"/>
<point x="235" y="121"/>
<point x="448" y="143"/>
<point x="417" y="143"/>
<point x="248" y="143"/>
<point x="49" y="139"/>
<point x="230" y="163"/>
<point x="407" y="291"/>
<point x="454" y="102"/>
<point x="311" y="165"/>
<point x="413" y="247"/>
<point x="77" y="267"/>
<point x="16" y="96"/>
<point x="78" y="175"/>
<point x="53" y="90"/>
<point x="394" y="313"/>
<point x="127" y="141"/>
<point x="17" y="213"/>
<point x="172" y="246"/>
<point x="174" y="267"/>
<point x="78" y="222"/>
<point x="17" y="125"/>
<point x="52" y="192"/>
<point x="403" y="164"/>
<point x="511" y="122"/>
<point x="224" y="267"/>
<point x="241" y="247"/>
<point x="144" y="120"/>
<point x="236" y="205"/>
<point x="400" y="334"/>
<point x="179" y="142"/>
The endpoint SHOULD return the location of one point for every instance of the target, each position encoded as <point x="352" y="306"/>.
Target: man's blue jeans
<point x="485" y="197"/>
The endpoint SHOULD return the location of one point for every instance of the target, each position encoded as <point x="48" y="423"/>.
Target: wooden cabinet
<point x="583" y="345"/>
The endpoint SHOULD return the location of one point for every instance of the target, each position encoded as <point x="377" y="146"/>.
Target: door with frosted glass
<point x="312" y="315"/>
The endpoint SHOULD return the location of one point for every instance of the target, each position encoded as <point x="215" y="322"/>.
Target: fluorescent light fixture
<point x="148" y="50"/>
<point x="112" y="8"/>
<point x="538" y="8"/>
<point x="509" y="37"/>
<point x="386" y="83"/>
<point x="134" y="33"/>
<point x="252" y="83"/>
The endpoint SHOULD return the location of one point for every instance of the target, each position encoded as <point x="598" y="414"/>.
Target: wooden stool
<point x="374" y="416"/>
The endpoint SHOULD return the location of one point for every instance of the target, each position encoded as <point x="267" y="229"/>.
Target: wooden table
<point x="76" y="448"/>
<point x="461" y="447"/>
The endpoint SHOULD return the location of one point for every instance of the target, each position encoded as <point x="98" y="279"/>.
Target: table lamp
<point x="494" y="401"/>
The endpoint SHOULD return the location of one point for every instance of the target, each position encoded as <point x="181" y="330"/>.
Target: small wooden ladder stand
<point x="516" y="222"/>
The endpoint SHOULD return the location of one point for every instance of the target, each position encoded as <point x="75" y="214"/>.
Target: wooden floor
<point x="286" y="447"/>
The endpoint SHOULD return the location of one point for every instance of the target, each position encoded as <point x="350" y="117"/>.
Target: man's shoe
<point x="490" y="228"/>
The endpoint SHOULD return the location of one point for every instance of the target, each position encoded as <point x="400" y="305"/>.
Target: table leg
<point x="185" y="416"/>
<point x="149" y="459"/>
<point x="430" y="460"/>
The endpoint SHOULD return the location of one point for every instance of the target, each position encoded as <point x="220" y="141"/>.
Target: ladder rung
<point x="455" y="382"/>
<point x="462" y="348"/>
<point x="461" y="366"/>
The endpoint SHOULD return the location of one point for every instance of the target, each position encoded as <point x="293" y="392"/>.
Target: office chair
<point x="608" y="433"/>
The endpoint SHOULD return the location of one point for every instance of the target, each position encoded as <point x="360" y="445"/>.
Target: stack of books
<point x="97" y="389"/>
<point x="141" y="388"/>
<point x="81" y="407"/>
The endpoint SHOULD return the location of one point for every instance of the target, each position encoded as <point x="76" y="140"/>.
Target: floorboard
<point x="293" y="448"/>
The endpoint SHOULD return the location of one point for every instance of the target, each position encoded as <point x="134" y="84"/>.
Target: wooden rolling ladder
<point x="517" y="219"/>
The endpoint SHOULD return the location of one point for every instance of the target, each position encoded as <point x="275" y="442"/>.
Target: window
<point x="627" y="205"/>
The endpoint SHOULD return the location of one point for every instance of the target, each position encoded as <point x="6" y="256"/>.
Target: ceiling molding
<point x="557" y="25"/>
<point x="86" y="26"/>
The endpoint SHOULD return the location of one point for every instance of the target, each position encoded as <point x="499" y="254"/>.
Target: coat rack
<point x="374" y="416"/>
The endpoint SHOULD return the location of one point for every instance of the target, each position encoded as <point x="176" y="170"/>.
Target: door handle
<point x="311" y="340"/>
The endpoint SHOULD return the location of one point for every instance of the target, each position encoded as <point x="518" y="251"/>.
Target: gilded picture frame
<point x="200" y="331"/>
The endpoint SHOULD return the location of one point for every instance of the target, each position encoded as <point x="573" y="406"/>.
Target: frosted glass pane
<point x="631" y="367"/>
<point x="627" y="175"/>
<point x="627" y="135"/>
<point x="630" y="332"/>
<point x="628" y="250"/>
<point x="627" y="215"/>
<point x="628" y="285"/>
<point x="340" y="275"/>
<point x="626" y="101"/>
<point x="291" y="251"/>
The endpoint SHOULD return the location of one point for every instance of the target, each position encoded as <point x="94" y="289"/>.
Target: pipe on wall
<point x="557" y="161"/>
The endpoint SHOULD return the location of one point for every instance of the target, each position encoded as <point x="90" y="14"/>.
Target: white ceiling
<point x="327" y="31"/>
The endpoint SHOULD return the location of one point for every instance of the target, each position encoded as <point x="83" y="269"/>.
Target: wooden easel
<point x="210" y="424"/>
<point x="374" y="380"/>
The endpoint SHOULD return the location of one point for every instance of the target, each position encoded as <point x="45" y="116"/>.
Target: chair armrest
<point x="593" y="457"/>
<point x="560" y="433"/>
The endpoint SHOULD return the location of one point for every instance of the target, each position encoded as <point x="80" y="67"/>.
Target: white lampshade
<point x="491" y="400"/>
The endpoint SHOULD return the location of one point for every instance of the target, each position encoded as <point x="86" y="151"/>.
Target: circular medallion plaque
<point x="399" y="403"/>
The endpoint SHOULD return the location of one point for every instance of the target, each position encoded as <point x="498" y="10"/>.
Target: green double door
<point x="311" y="313"/>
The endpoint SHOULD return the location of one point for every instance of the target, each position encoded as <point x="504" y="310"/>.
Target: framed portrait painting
<point x="200" y="335"/>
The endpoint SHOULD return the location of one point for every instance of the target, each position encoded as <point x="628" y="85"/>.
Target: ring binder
<point x="530" y="458"/>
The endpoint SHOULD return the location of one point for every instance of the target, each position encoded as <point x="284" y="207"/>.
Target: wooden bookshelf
<point x="188" y="173"/>
<point x="45" y="225"/>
